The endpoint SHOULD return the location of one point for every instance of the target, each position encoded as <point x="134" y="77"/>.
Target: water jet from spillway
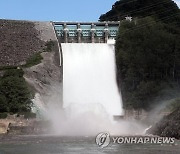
<point x="89" y="79"/>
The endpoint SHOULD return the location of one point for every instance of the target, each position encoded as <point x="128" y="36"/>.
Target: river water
<point x="76" y="145"/>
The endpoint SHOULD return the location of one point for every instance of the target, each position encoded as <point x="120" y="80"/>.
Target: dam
<point x="86" y="32"/>
<point x="89" y="71"/>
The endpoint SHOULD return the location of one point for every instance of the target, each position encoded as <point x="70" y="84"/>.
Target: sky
<point x="55" y="10"/>
<point x="177" y="2"/>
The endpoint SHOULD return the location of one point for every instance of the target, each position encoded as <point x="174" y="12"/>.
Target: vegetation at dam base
<point x="49" y="46"/>
<point x="33" y="60"/>
<point x="147" y="51"/>
<point x="15" y="96"/>
<point x="36" y="58"/>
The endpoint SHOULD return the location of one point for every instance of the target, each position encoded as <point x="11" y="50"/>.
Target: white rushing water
<point x="89" y="78"/>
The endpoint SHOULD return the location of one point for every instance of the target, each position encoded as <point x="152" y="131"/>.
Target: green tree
<point x="16" y="96"/>
<point x="147" y="56"/>
<point x="3" y="104"/>
<point x="164" y="10"/>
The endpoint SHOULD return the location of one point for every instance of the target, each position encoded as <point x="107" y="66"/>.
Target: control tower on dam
<point x="86" y="32"/>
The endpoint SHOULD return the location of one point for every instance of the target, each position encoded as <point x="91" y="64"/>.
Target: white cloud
<point x="177" y="2"/>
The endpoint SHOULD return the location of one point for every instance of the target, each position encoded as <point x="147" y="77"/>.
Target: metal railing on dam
<point x="86" y="32"/>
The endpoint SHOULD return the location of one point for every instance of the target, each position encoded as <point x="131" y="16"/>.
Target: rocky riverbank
<point x="18" y="125"/>
<point x="169" y="126"/>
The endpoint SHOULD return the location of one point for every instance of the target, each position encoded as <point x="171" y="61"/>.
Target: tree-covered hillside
<point x="148" y="61"/>
<point x="165" y="10"/>
<point x="147" y="51"/>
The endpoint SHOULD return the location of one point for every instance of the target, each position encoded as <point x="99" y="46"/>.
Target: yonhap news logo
<point x="104" y="139"/>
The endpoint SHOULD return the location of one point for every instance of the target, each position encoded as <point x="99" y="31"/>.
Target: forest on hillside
<point x="147" y="51"/>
